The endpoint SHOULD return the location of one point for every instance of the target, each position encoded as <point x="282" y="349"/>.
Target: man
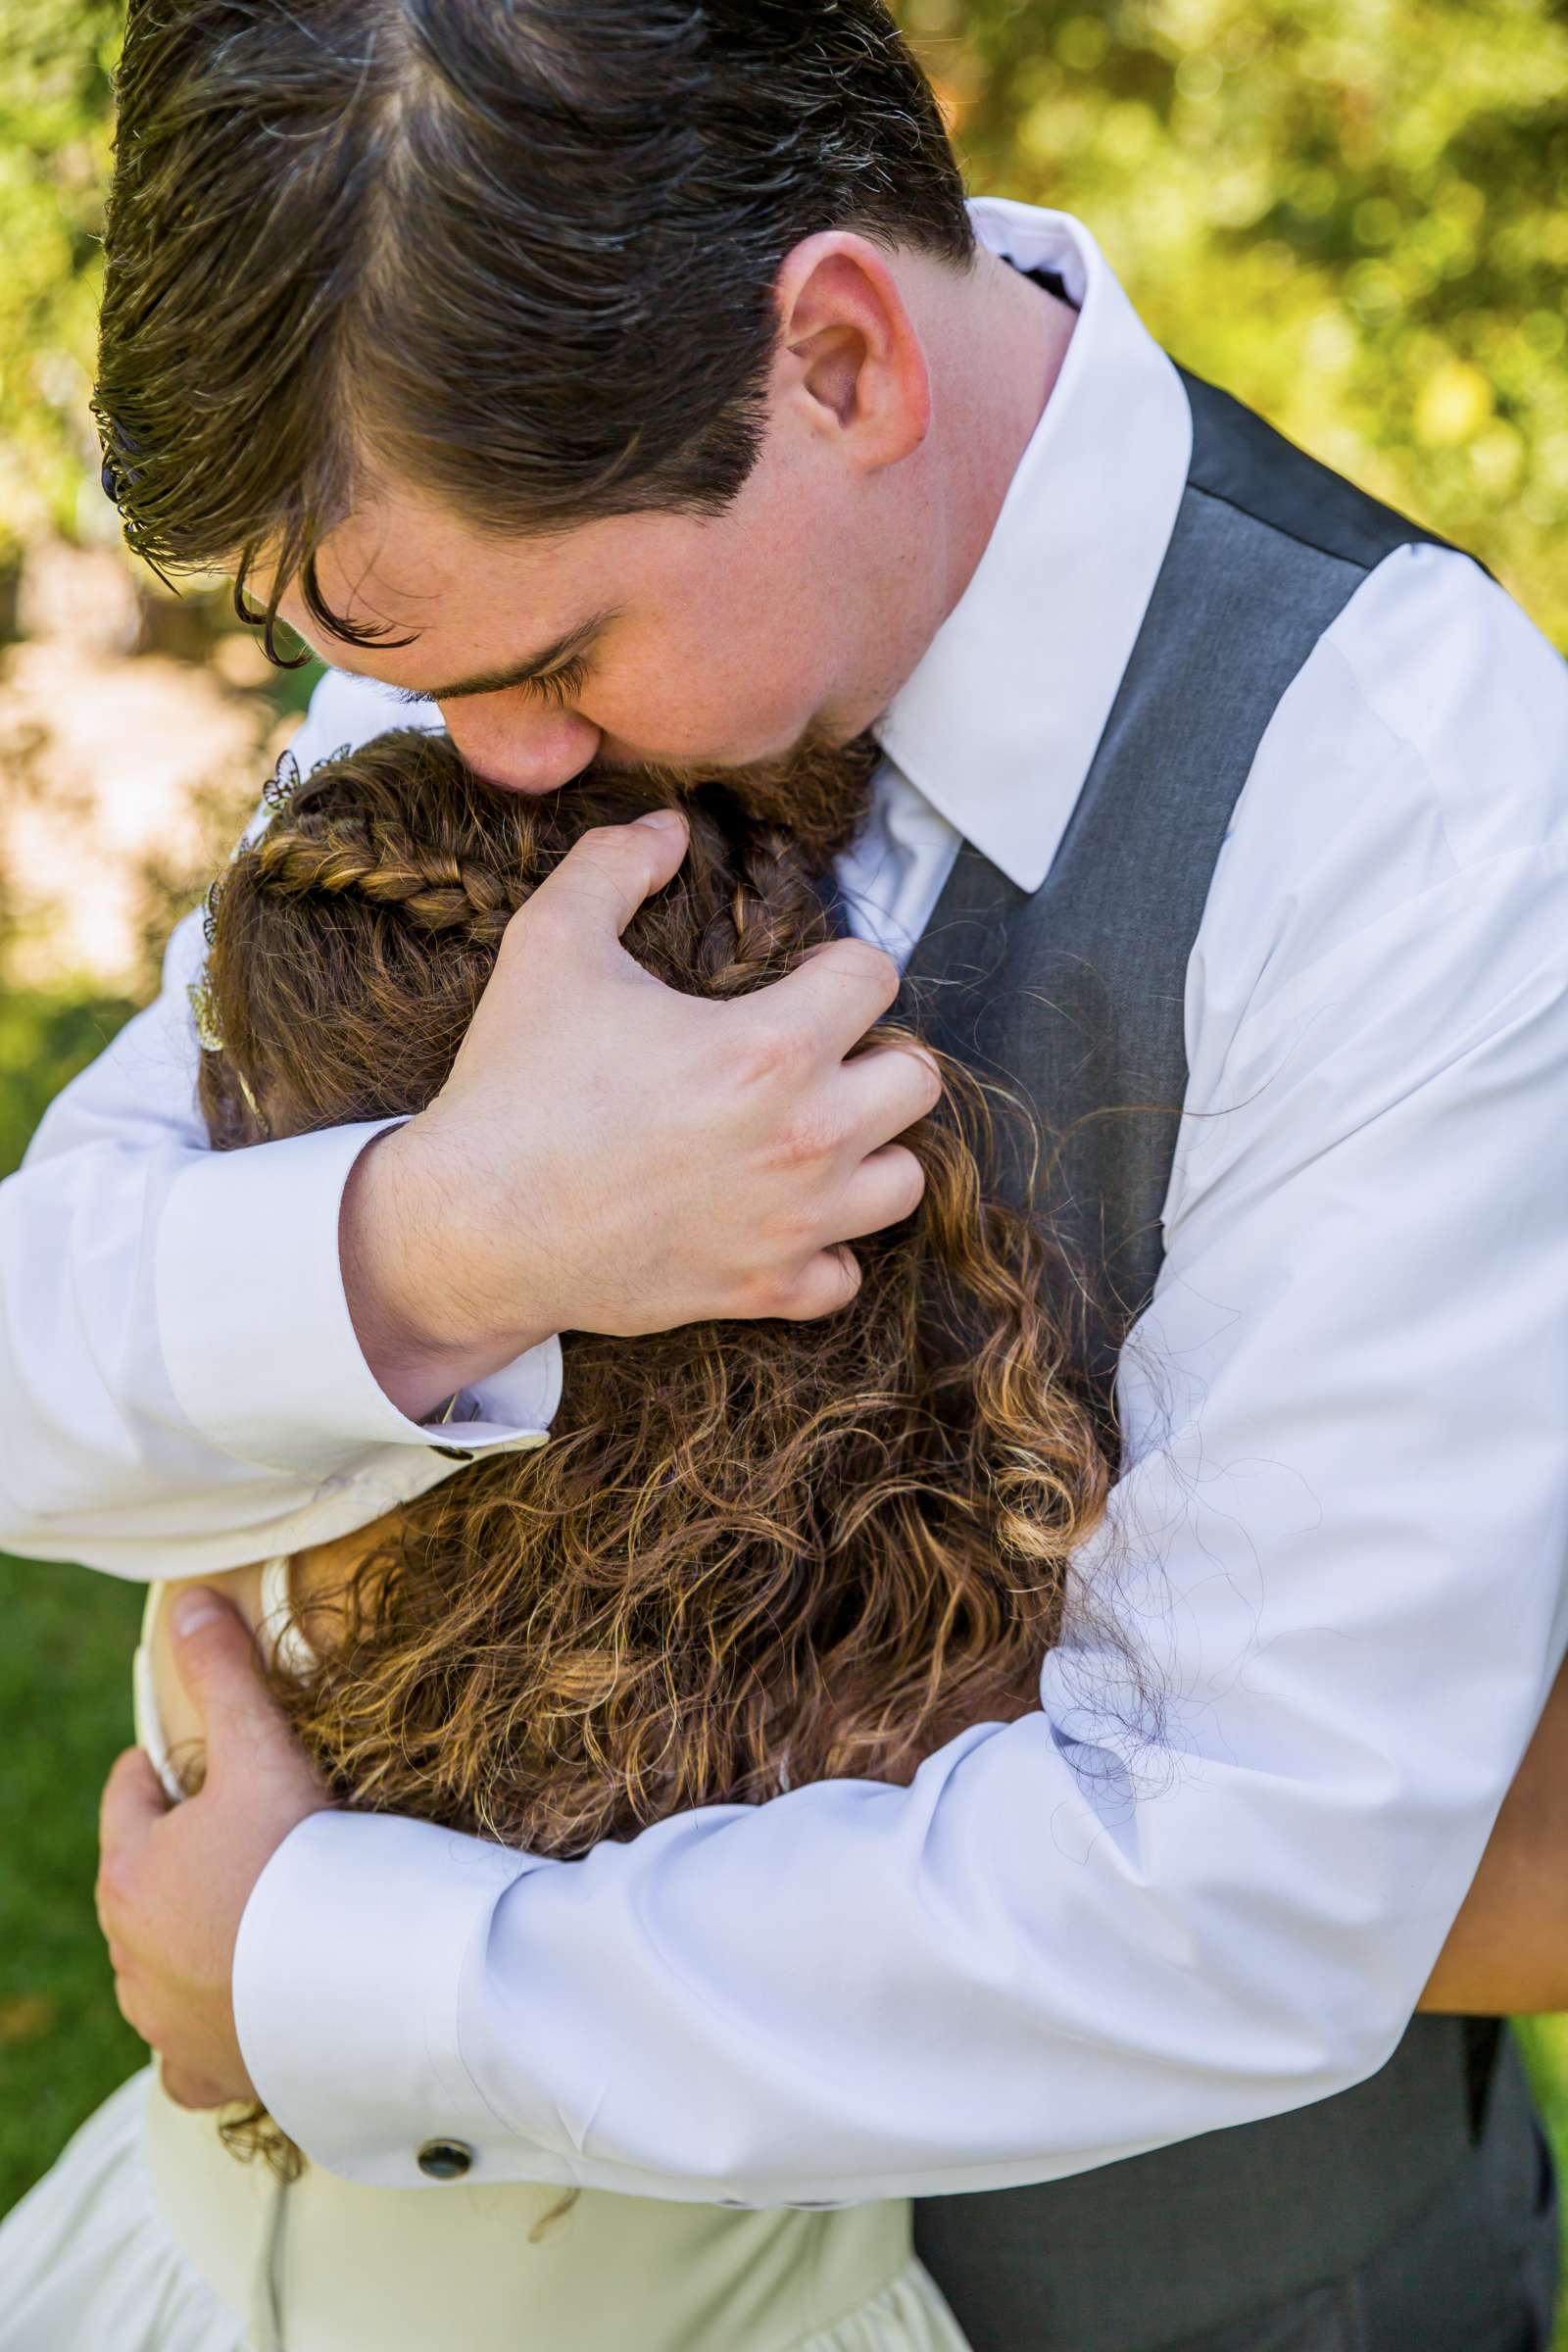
<point x="624" y="381"/>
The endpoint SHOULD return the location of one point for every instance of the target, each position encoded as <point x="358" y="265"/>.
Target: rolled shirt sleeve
<point x="1207" y="1881"/>
<point x="180" y="1385"/>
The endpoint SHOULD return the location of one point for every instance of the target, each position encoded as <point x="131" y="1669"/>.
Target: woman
<point x="751" y="1555"/>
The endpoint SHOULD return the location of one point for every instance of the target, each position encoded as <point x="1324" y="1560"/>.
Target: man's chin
<point x="818" y="789"/>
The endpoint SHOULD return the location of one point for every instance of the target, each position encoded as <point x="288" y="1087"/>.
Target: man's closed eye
<point x="557" y="687"/>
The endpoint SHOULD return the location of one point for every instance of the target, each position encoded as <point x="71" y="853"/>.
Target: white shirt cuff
<point x="258" y="1338"/>
<point x="346" y="1980"/>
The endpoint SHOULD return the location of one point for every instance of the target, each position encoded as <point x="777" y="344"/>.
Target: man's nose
<point x="519" y="749"/>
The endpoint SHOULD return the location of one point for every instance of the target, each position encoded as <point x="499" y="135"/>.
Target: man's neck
<point x="1003" y="351"/>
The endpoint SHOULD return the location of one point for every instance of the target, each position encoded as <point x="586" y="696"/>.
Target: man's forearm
<point x="111" y="1276"/>
<point x="849" y="1993"/>
<point x="180" y="1385"/>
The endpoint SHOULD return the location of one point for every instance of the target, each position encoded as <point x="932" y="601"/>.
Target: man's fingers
<point x="889" y="1088"/>
<point x="837" y="994"/>
<point x="215" y="1654"/>
<point x="602" y="879"/>
<point x="215" y="1657"/>
<point x="829" y="1282"/>
<point x="132" y="1800"/>
<point x="885" y="1188"/>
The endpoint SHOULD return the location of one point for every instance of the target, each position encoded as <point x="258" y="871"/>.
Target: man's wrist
<point x="419" y="1329"/>
<point x="346" y="1979"/>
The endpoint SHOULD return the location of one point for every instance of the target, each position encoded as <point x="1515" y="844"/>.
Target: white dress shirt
<point x="1339" y="1546"/>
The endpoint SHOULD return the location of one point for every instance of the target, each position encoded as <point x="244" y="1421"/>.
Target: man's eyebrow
<point x="532" y="666"/>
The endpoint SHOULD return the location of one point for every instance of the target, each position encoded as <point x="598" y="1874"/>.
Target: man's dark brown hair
<point x="519" y="252"/>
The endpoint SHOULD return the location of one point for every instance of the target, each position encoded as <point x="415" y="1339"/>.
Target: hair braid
<point x="384" y="863"/>
<point x="771" y="914"/>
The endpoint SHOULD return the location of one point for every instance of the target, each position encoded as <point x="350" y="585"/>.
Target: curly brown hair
<point x="751" y="1555"/>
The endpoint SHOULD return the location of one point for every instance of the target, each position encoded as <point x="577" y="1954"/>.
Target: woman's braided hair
<point x="751" y="1555"/>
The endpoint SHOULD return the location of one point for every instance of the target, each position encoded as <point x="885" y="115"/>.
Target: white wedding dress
<point x="149" y="2236"/>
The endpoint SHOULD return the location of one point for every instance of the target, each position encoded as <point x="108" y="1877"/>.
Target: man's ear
<point x="851" y="361"/>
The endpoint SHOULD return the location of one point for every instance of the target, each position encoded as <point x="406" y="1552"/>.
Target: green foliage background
<point x="55" y="62"/>
<point x="1352" y="213"/>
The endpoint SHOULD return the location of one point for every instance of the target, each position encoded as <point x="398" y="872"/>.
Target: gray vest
<point x="1076" y="994"/>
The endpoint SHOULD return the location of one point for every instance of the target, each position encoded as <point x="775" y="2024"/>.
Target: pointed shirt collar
<point x="997" y="725"/>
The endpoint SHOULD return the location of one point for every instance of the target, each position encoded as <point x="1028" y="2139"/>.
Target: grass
<point x="64" y="1694"/>
<point x="65" y="1691"/>
<point x="1545" y="2040"/>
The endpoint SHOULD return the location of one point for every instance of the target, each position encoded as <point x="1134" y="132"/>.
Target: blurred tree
<point x="54" y="60"/>
<point x="1353" y="213"/>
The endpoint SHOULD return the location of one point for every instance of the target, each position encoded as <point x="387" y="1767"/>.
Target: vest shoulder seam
<point x="1266" y="523"/>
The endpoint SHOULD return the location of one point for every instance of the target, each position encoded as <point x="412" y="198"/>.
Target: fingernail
<point x="658" y="819"/>
<point x="193" y="1610"/>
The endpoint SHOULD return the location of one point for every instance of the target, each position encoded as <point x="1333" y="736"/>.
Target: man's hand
<point x="611" y="1155"/>
<point x="174" y="1880"/>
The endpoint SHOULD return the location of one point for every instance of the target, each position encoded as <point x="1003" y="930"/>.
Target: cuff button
<point x="444" y="2159"/>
